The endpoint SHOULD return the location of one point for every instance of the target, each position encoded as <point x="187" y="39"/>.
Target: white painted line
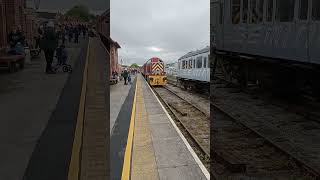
<point x="194" y="155"/>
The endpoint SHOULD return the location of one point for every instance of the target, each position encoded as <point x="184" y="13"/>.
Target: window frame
<point x="299" y="10"/>
<point x="199" y="59"/>
<point x="266" y="11"/>
<point x="242" y="12"/>
<point x="205" y="62"/>
<point x="231" y="11"/>
<point x="311" y="13"/>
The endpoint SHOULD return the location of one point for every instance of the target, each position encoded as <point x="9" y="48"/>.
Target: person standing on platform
<point x="70" y="33"/>
<point x="49" y="43"/>
<point x="125" y="76"/>
<point x="129" y="78"/>
<point x="76" y="35"/>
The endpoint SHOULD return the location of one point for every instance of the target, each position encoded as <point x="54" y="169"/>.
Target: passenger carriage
<point x="270" y="43"/>
<point x="194" y="69"/>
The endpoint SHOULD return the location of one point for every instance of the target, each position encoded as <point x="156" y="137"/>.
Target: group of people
<point x="126" y="75"/>
<point x="73" y="32"/>
<point x="51" y="38"/>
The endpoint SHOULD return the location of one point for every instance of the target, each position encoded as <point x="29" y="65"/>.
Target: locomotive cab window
<point x="316" y="10"/>
<point x="303" y="9"/>
<point x="285" y="10"/>
<point x="235" y="11"/>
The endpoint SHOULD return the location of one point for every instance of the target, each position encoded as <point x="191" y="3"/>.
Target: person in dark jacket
<point x="70" y="34"/>
<point x="125" y="76"/>
<point x="76" y="35"/>
<point x="49" y="43"/>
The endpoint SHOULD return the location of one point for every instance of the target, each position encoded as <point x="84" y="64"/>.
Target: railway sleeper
<point x="176" y="108"/>
<point x="229" y="161"/>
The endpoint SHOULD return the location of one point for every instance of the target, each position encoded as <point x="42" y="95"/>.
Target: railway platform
<point x="54" y="126"/>
<point x="152" y="146"/>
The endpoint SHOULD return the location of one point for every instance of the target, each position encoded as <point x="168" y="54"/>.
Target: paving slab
<point x="28" y="99"/>
<point x="118" y="94"/>
<point x="172" y="158"/>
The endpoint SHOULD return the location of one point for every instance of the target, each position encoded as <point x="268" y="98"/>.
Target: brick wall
<point x="14" y="10"/>
<point x="31" y="26"/>
<point x="13" y="14"/>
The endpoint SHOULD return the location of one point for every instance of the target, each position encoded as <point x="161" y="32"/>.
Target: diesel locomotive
<point x="153" y="72"/>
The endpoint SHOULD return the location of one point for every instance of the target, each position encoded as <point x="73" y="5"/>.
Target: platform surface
<point x="158" y="150"/>
<point x="28" y="99"/>
<point x="118" y="94"/>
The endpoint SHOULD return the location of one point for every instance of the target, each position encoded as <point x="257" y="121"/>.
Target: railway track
<point x="242" y="151"/>
<point x="191" y="120"/>
<point x="280" y="131"/>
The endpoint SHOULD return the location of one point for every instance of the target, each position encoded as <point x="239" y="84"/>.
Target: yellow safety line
<point x="74" y="166"/>
<point x="127" y="156"/>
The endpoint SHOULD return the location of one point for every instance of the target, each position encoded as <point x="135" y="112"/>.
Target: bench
<point x="11" y="61"/>
<point x="113" y="80"/>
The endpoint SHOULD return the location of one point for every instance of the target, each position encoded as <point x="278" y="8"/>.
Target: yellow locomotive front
<point x="153" y="71"/>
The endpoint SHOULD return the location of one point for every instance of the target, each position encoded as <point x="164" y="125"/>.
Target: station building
<point x="17" y="13"/>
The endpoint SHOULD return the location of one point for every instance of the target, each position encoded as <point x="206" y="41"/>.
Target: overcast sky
<point x="164" y="28"/>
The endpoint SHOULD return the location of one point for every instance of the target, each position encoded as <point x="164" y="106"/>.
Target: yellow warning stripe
<point x="157" y="64"/>
<point x="157" y="67"/>
<point x="127" y="156"/>
<point x="74" y="166"/>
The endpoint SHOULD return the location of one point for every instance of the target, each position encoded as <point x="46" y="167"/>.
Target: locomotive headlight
<point x="151" y="79"/>
<point x="165" y="78"/>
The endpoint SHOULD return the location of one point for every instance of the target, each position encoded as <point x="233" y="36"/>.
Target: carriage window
<point x="190" y="64"/>
<point x="315" y="10"/>
<point x="221" y="13"/>
<point x="260" y="10"/>
<point x="285" y="10"/>
<point x="256" y="10"/>
<point x="183" y="64"/>
<point x="245" y="11"/>
<point x="199" y="62"/>
<point x="235" y="11"/>
<point x="303" y="10"/>
<point x="194" y="63"/>
<point x="205" y="62"/>
<point x="269" y="10"/>
<point x="253" y="11"/>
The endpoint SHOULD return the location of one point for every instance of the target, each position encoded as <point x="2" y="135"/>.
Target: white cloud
<point x="166" y="29"/>
<point x="154" y="49"/>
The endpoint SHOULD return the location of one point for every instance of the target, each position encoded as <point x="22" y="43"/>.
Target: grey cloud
<point x="177" y="27"/>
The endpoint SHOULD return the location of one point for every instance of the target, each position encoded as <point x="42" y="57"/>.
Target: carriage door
<point x="314" y="31"/>
<point x="284" y="43"/>
<point x="256" y="28"/>
<point x="302" y="29"/>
